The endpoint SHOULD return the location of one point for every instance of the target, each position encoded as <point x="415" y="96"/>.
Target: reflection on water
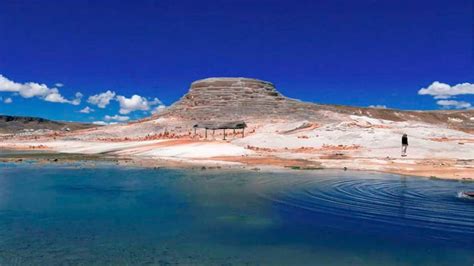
<point x="111" y="215"/>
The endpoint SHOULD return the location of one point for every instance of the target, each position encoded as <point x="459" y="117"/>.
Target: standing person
<point x="404" y="145"/>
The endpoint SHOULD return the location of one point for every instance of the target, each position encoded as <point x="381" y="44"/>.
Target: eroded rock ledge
<point x="232" y="99"/>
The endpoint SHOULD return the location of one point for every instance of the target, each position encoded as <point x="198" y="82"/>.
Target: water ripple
<point x="399" y="201"/>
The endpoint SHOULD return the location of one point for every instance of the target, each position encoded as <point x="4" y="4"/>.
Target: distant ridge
<point x="14" y="124"/>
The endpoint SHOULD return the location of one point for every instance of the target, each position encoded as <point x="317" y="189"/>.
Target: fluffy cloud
<point x="78" y="98"/>
<point x="156" y="101"/>
<point x="32" y="89"/>
<point x="454" y="104"/>
<point x="102" y="99"/>
<point x="55" y="97"/>
<point x="102" y="123"/>
<point x="8" y="100"/>
<point x="127" y="105"/>
<point x="7" y="85"/>
<point x="86" y="110"/>
<point x="119" y="118"/>
<point x="378" y="106"/>
<point x="135" y="103"/>
<point x="160" y="108"/>
<point x="441" y="90"/>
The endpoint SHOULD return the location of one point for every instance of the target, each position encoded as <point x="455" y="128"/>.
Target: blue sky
<point x="337" y="52"/>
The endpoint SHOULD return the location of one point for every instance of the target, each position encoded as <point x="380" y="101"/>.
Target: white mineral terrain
<point x="280" y="132"/>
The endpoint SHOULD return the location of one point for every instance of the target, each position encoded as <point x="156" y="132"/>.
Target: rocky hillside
<point x="225" y="99"/>
<point x="236" y="98"/>
<point x="16" y="124"/>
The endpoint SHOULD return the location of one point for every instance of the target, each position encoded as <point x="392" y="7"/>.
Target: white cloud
<point x="8" y="100"/>
<point x="7" y="85"/>
<point x="33" y="89"/>
<point x="127" y="105"/>
<point x="135" y="103"/>
<point x="55" y="98"/>
<point x="378" y="106"/>
<point x="100" y="123"/>
<point x="441" y="90"/>
<point x="101" y="99"/>
<point x="86" y="110"/>
<point x="103" y="123"/>
<point x="454" y="104"/>
<point x="156" y="101"/>
<point x="160" y="108"/>
<point x="119" y="118"/>
<point x="78" y="99"/>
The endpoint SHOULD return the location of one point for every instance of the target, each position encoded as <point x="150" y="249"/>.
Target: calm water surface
<point x="121" y="216"/>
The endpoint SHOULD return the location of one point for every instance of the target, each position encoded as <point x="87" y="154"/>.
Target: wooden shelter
<point x="221" y="125"/>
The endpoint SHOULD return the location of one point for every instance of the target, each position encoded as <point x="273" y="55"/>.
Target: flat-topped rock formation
<point x="234" y="99"/>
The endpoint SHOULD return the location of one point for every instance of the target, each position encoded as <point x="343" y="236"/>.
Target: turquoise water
<point x="126" y="216"/>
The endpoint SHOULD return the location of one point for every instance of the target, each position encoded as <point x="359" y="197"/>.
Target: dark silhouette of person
<point x="404" y="144"/>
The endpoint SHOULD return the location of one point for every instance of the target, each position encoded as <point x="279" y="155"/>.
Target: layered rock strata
<point x="237" y="99"/>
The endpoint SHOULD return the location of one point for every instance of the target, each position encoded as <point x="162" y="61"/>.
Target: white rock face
<point x="455" y="120"/>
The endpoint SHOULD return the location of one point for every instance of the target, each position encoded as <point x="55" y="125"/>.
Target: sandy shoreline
<point x="138" y="155"/>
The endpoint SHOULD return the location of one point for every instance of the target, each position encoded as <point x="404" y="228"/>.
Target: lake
<point x="111" y="215"/>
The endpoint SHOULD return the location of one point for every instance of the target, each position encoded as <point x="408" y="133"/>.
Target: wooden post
<point x="243" y="132"/>
<point x="194" y="131"/>
<point x="224" y="133"/>
<point x="205" y="133"/>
